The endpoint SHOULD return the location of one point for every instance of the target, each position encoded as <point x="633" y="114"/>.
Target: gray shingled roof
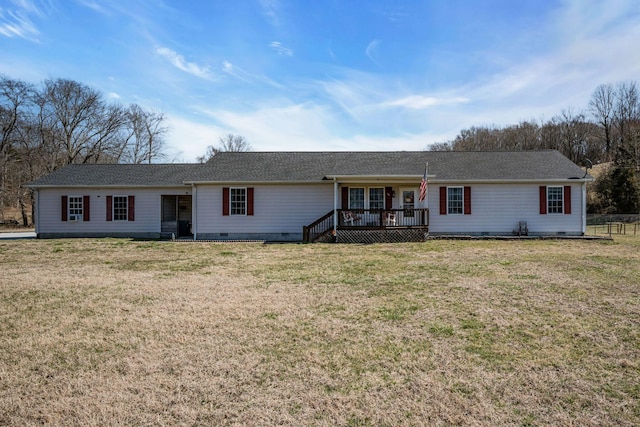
<point x="317" y="166"/>
<point x="116" y="175"/>
<point x="452" y="165"/>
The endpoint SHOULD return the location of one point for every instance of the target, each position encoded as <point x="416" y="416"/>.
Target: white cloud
<point x="179" y="62"/>
<point x="15" y="21"/>
<point x="312" y="127"/>
<point x="113" y="95"/>
<point x="277" y="46"/>
<point x="232" y="70"/>
<point x="270" y="9"/>
<point x="372" y="50"/>
<point x="93" y="5"/>
<point x="418" y="102"/>
<point x="190" y="138"/>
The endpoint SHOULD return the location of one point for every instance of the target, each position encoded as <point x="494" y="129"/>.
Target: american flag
<point x="423" y="185"/>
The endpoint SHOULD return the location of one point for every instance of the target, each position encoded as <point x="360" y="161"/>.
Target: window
<point x="455" y="200"/>
<point x="238" y="201"/>
<point x="120" y="208"/>
<point x="555" y="201"/>
<point x="356" y="198"/>
<point x="376" y="198"/>
<point x="75" y="207"/>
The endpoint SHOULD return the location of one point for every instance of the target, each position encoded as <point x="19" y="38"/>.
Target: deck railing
<point x="382" y="219"/>
<point x="366" y="219"/>
<point x="322" y="225"/>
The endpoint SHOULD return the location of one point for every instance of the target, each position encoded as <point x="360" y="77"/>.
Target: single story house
<point x="318" y="196"/>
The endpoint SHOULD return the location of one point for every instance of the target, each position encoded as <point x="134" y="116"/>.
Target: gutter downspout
<point x="583" y="196"/>
<point x="194" y="211"/>
<point x="37" y="213"/>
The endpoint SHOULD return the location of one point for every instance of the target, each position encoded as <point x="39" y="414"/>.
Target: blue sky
<point x="327" y="74"/>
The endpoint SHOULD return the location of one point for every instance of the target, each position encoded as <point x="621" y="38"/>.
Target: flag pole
<point x="426" y="177"/>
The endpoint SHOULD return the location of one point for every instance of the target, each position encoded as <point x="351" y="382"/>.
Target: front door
<point x="408" y="204"/>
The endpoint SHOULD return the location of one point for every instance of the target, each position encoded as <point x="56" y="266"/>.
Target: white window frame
<point x="451" y="201"/>
<point x="75" y="207"/>
<point x="115" y="212"/>
<point x="381" y="200"/>
<point x="237" y="205"/>
<point x="555" y="209"/>
<point x="364" y="198"/>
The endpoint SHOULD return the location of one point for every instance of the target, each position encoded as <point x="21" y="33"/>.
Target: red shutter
<point x="467" y="200"/>
<point x="64" y="207"/>
<point x="345" y="197"/>
<point x="388" y="197"/>
<point x="86" y="212"/>
<point x="543" y="200"/>
<point x="443" y="200"/>
<point x="131" y="214"/>
<point x="567" y="199"/>
<point x="250" y="201"/>
<point x="225" y="201"/>
<point x="109" y="208"/>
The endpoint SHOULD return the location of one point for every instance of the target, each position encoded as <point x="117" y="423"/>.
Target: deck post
<point x="335" y="206"/>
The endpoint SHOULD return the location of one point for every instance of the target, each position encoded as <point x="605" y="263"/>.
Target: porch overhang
<point x="391" y="179"/>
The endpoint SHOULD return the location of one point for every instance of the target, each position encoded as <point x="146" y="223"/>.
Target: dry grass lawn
<point x="120" y="332"/>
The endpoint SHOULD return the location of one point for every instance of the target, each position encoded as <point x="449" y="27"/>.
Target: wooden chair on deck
<point x="390" y="219"/>
<point x="350" y="218"/>
<point x="523" y="230"/>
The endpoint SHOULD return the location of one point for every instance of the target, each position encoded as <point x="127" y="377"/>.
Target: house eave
<point x="249" y="182"/>
<point x="378" y="178"/>
<point x="510" y="181"/>
<point x="44" y="186"/>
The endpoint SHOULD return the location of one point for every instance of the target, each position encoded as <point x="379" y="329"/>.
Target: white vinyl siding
<point x="497" y="209"/>
<point x="277" y="209"/>
<point x="147" y="211"/>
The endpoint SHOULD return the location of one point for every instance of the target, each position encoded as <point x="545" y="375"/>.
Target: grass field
<point x="120" y="332"/>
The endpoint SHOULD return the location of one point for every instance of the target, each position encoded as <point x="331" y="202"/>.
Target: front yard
<point x="114" y="331"/>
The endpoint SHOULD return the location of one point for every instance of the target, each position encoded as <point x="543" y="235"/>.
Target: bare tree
<point x="601" y="107"/>
<point x="84" y="127"/>
<point x="230" y="142"/>
<point x="627" y="110"/>
<point x="15" y="99"/>
<point x="144" y="133"/>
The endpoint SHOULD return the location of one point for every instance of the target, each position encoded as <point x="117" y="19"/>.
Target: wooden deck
<point x="369" y="226"/>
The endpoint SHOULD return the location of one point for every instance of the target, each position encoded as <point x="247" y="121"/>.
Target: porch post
<point x="335" y="206"/>
<point x="194" y="212"/>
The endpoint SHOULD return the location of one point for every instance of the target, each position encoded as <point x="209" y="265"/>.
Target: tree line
<point x="607" y="132"/>
<point x="60" y="122"/>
